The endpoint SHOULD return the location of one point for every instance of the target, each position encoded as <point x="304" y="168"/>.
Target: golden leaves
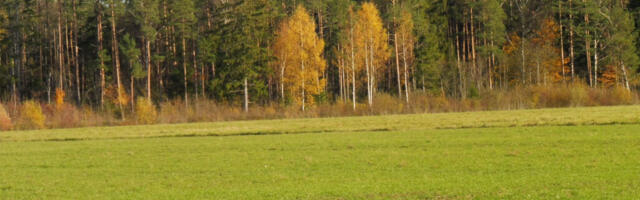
<point x="298" y="50"/>
<point x="60" y="94"/>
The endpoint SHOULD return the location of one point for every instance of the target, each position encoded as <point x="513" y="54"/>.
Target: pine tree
<point x="116" y="56"/>
<point x="183" y="19"/>
<point x="431" y="47"/>
<point x="132" y="55"/>
<point x="147" y="18"/>
<point x="493" y="33"/>
<point x="246" y="54"/>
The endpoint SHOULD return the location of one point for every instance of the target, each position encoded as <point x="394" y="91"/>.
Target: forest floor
<point x="581" y="153"/>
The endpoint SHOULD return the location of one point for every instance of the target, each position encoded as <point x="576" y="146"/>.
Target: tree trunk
<point x="571" y="46"/>
<point x="626" y="77"/>
<point x="342" y="78"/>
<point x="195" y="70"/>
<point x="406" y="72"/>
<point x="372" y="72"/>
<point x="395" y="40"/>
<point x="184" y="68"/>
<point x="75" y="49"/>
<point x="246" y="95"/>
<point x="587" y="44"/>
<point x="473" y="50"/>
<point x="561" y="41"/>
<point x="522" y="41"/>
<point x="302" y="72"/>
<point x="538" y="71"/>
<point x="202" y="80"/>
<point x="459" y="64"/>
<point x="148" y="63"/>
<point x="100" y="47"/>
<point x="282" y="69"/>
<point x="60" y="48"/>
<point x="491" y="65"/>
<point x="116" y="57"/>
<point x="368" y="71"/>
<point x="353" y="65"/>
<point x="16" y="51"/>
<point x="595" y="64"/>
<point x="133" y="94"/>
<point x="68" y="53"/>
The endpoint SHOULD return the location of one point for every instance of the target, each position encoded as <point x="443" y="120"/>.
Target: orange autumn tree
<point x="60" y="94"/>
<point x="372" y="49"/>
<point x="609" y="77"/>
<point x="298" y="50"/>
<point x="549" y="66"/>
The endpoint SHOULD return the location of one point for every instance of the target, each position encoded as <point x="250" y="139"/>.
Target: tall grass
<point x="5" y="119"/>
<point x="64" y="115"/>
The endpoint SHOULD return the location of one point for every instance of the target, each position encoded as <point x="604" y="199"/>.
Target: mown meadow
<point x="573" y="153"/>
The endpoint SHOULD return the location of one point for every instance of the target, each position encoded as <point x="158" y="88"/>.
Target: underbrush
<point x="5" y="120"/>
<point x="33" y="115"/>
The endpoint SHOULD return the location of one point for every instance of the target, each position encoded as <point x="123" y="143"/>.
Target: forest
<point x="118" y="56"/>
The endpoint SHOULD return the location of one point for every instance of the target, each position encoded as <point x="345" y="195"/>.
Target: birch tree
<point x="371" y="46"/>
<point x="299" y="52"/>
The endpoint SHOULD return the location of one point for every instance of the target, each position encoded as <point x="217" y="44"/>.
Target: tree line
<point x="107" y="53"/>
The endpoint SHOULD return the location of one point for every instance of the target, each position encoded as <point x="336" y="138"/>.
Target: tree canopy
<point x="257" y="52"/>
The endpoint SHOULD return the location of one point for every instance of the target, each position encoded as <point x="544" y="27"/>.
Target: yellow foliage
<point x="299" y="52"/>
<point x="146" y="112"/>
<point x="59" y="97"/>
<point x="548" y="32"/>
<point x="406" y="39"/>
<point x="513" y="44"/>
<point x="5" y="119"/>
<point x="405" y="34"/>
<point x="31" y="115"/>
<point x="371" y="40"/>
<point x="111" y="93"/>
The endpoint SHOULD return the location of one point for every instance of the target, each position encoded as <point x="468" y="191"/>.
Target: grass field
<point x="574" y="153"/>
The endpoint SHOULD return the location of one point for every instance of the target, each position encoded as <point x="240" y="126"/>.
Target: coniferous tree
<point x="227" y="50"/>
<point x="147" y="18"/>
<point x="246" y="50"/>
<point x="183" y="19"/>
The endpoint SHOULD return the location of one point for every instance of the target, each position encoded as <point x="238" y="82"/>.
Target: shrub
<point x="31" y="116"/>
<point x="579" y="95"/>
<point x="385" y="104"/>
<point x="172" y="112"/>
<point x="5" y="120"/>
<point x="622" y="96"/>
<point x="62" y="115"/>
<point x="145" y="111"/>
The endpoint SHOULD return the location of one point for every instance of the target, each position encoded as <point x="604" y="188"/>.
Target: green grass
<point x="519" y="118"/>
<point x="594" y="154"/>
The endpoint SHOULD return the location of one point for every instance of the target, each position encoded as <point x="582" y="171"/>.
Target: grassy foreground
<point x="496" y="155"/>
<point x="518" y="118"/>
